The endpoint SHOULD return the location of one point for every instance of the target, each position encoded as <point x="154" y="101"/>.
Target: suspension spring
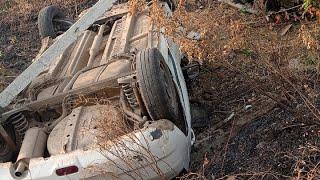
<point x="130" y="96"/>
<point x="21" y="125"/>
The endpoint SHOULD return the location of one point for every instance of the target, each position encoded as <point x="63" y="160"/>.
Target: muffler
<point x="33" y="146"/>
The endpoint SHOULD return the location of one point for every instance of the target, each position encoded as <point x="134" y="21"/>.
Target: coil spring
<point x="21" y="125"/>
<point x="130" y="96"/>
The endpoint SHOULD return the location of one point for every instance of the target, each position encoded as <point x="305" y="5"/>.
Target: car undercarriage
<point x="121" y="76"/>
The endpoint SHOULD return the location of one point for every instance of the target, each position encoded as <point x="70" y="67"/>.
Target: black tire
<point x="6" y="154"/>
<point x="173" y="4"/>
<point x="156" y="85"/>
<point x="46" y="25"/>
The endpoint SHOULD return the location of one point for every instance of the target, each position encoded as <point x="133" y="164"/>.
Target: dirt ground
<point x="249" y="133"/>
<point x="269" y="144"/>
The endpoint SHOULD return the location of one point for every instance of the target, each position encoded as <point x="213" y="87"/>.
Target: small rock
<point x="194" y="35"/>
<point x="248" y="107"/>
<point x="299" y="106"/>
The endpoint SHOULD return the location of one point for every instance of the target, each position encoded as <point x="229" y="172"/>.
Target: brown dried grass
<point x="283" y="68"/>
<point x="251" y="46"/>
<point x="307" y="167"/>
<point x="110" y="127"/>
<point x="113" y="133"/>
<point x="110" y="123"/>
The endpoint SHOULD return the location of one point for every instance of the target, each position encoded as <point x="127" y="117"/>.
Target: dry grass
<point x="26" y="8"/>
<point x="283" y="68"/>
<point x="307" y="166"/>
<point x="253" y="47"/>
<point x="115" y="137"/>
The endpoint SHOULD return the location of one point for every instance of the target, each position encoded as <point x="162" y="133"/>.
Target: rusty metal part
<point x="113" y="70"/>
<point x="113" y="38"/>
<point x="7" y="138"/>
<point x="33" y="145"/>
<point x="130" y="96"/>
<point x="75" y="77"/>
<point x="81" y="55"/>
<point x="143" y="108"/>
<point x="136" y="118"/>
<point x="163" y="124"/>
<point x="96" y="45"/>
<point x="36" y="88"/>
<point x="63" y="115"/>
<point x="108" y="85"/>
<point x="21" y="125"/>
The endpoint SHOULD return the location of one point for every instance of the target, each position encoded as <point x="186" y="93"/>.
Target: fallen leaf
<point x="285" y="30"/>
<point x="277" y="19"/>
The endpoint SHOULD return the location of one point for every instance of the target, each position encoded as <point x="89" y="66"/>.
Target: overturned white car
<point x="113" y="104"/>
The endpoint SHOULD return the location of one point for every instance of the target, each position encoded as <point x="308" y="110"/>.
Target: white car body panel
<point x="149" y="157"/>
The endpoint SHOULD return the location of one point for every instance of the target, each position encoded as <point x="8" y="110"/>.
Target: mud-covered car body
<point x="53" y="135"/>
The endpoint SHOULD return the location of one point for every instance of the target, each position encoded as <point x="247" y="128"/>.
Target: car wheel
<point x="52" y="21"/>
<point x="156" y="85"/>
<point x="173" y="4"/>
<point x="6" y="154"/>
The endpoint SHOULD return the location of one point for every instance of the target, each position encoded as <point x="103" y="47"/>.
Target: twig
<point x="305" y="99"/>
<point x="293" y="126"/>
<point x="284" y="10"/>
<point x="225" y="121"/>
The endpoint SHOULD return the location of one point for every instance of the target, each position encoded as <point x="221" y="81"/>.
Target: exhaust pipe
<point x="33" y="146"/>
